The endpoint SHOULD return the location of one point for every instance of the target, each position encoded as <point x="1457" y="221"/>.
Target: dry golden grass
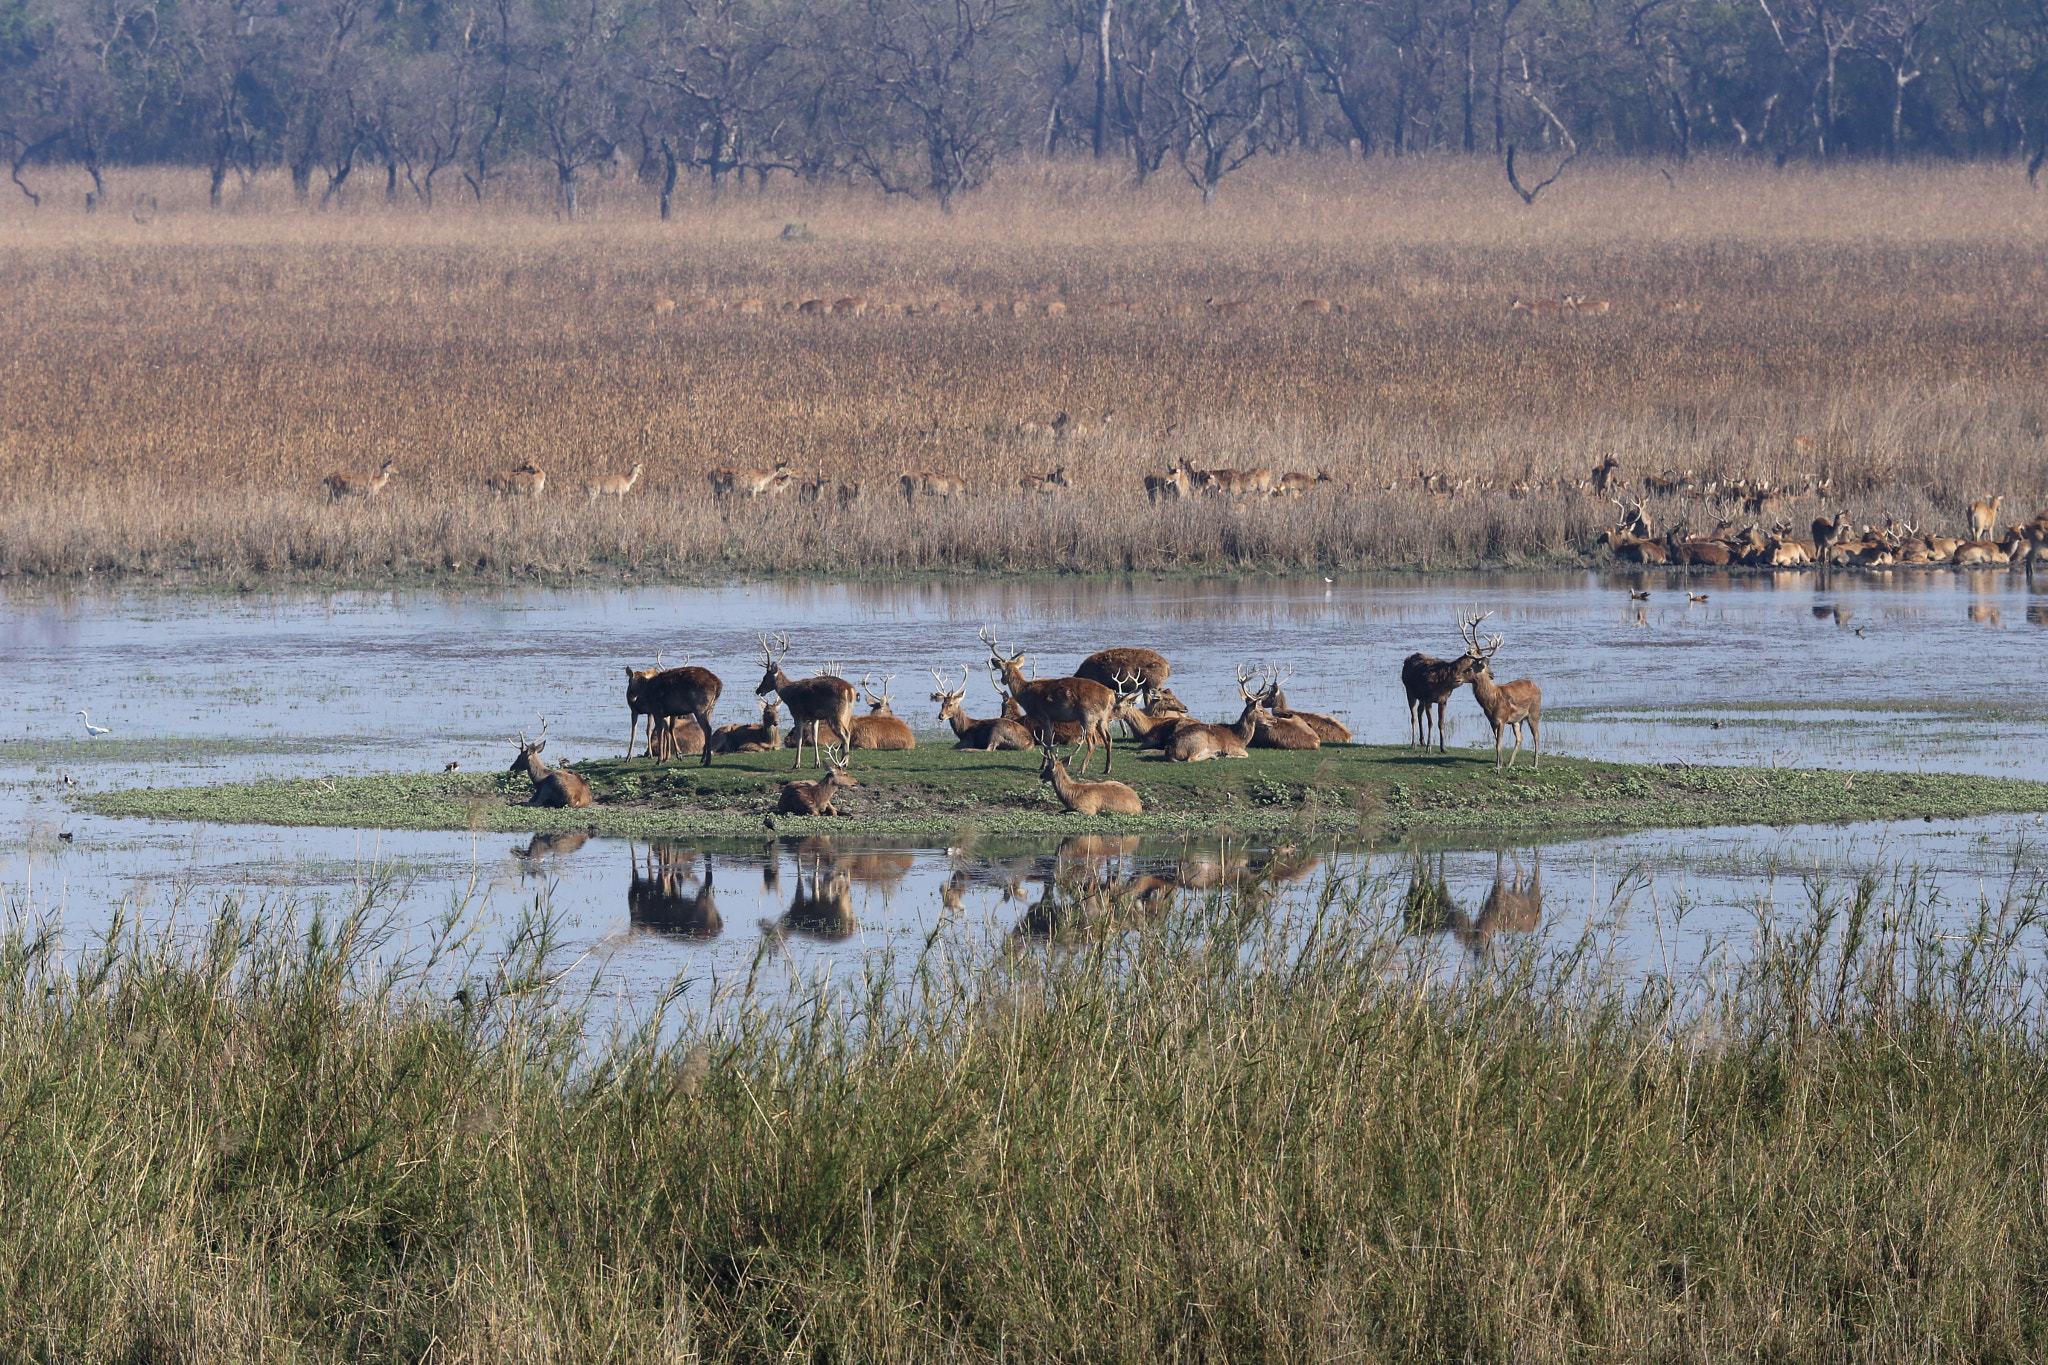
<point x="178" y="383"/>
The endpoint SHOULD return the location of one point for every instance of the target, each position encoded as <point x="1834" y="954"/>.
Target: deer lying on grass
<point x="529" y="480"/>
<point x="880" y="728"/>
<point x="815" y="798"/>
<point x="673" y="737"/>
<point x="552" y="787"/>
<point x="660" y="693"/>
<point x="985" y="735"/>
<point x="1049" y="700"/>
<point x="810" y="700"/>
<point x="1270" y="731"/>
<point x="1507" y="705"/>
<point x="614" y="485"/>
<point x="758" y="738"/>
<point x="1191" y="741"/>
<point x="353" y="483"/>
<point x="1328" y="729"/>
<point x="1086" y="798"/>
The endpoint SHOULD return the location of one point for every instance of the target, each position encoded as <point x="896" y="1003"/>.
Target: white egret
<point x="93" y="731"/>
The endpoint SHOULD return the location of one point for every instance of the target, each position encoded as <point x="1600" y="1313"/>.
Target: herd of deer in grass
<point x="1126" y="685"/>
<point x="860" y="306"/>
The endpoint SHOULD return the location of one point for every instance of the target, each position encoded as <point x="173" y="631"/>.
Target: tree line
<point x="923" y="97"/>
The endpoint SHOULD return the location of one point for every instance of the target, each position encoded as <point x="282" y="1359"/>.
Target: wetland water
<point x="1918" y="672"/>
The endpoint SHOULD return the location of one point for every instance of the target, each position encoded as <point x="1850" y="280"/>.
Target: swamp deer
<point x="529" y="480"/>
<point x="880" y="728"/>
<point x="1114" y="667"/>
<point x="1315" y="307"/>
<point x="924" y="483"/>
<point x="1984" y="517"/>
<point x="1294" y="485"/>
<point x="815" y="798"/>
<point x="660" y="693"/>
<point x="1063" y="731"/>
<point x="1430" y="682"/>
<point x="1045" y="485"/>
<point x="1328" y="729"/>
<point x="353" y="483"/>
<point x="1174" y="484"/>
<point x="673" y="737"/>
<point x="751" y="483"/>
<point x="853" y="306"/>
<point x="1192" y="741"/>
<point x="1086" y="798"/>
<point x="1507" y="705"/>
<point x="985" y="735"/>
<point x="759" y="738"/>
<point x="810" y="700"/>
<point x="613" y="485"/>
<point x="1535" y="307"/>
<point x="655" y="899"/>
<point x="1049" y="700"/>
<point x="552" y="787"/>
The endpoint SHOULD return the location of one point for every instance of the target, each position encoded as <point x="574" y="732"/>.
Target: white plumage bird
<point x="93" y="731"/>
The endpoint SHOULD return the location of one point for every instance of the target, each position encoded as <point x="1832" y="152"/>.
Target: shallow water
<point x="1908" y="671"/>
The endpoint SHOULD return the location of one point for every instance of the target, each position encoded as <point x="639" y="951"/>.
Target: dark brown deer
<point x="1086" y="798"/>
<point x="1507" y="705"/>
<point x="1328" y="729"/>
<point x="1049" y="700"/>
<point x="815" y="798"/>
<point x="659" y="693"/>
<point x="552" y="787"/>
<point x="809" y="700"/>
<point x="985" y="735"/>
<point x="759" y="738"/>
<point x="1116" y="668"/>
<point x="656" y="901"/>
<point x="1430" y="682"/>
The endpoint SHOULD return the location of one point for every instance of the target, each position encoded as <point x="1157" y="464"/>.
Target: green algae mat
<point x="939" y="793"/>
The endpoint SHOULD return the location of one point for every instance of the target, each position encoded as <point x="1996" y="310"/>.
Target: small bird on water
<point x="1697" y="596"/>
<point x="1642" y="596"/>
<point x="451" y="765"/>
<point x="94" y="731"/>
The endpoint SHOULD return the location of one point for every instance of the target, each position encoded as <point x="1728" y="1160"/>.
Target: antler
<point x="886" y="680"/>
<point x="771" y="654"/>
<point x="867" y="691"/>
<point x="1127" y="685"/>
<point x="987" y="635"/>
<point x="1469" y="628"/>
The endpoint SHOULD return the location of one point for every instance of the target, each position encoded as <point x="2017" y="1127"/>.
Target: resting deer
<point x="985" y="735"/>
<point x="1048" y="700"/>
<point x="1046" y="485"/>
<point x="1507" y="705"/>
<point x="674" y="737"/>
<point x="880" y="728"/>
<point x="1430" y="682"/>
<point x="1116" y="668"/>
<point x="529" y="480"/>
<point x="1086" y="798"/>
<point x="659" y="693"/>
<point x="552" y="787"/>
<point x="1328" y="729"/>
<point x="353" y="483"/>
<point x="1271" y="731"/>
<point x="614" y="486"/>
<point x="924" y="483"/>
<point x="759" y="738"/>
<point x="1984" y="518"/>
<point x="1191" y="741"/>
<point x="809" y="701"/>
<point x="815" y="798"/>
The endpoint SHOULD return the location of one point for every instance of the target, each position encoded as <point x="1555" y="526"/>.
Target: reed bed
<point x="179" y="384"/>
<point x="1235" y="1132"/>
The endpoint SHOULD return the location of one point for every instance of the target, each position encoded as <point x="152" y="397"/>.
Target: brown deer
<point x="1506" y="705"/>
<point x="1045" y="485"/>
<point x="1328" y="729"/>
<point x="924" y="483"/>
<point x="529" y="480"/>
<point x="659" y="693"/>
<point x="1048" y="700"/>
<point x="1535" y="307"/>
<point x="1431" y="682"/>
<point x="1581" y="306"/>
<point x="1984" y="517"/>
<point x="1603" y="475"/>
<point x="353" y="483"/>
<point x="552" y="787"/>
<point x="655" y="900"/>
<point x="853" y="306"/>
<point x="613" y="486"/>
<point x="1086" y="798"/>
<point x="1192" y="741"/>
<point x="1063" y="731"/>
<point x="985" y="735"/>
<point x="1293" y="485"/>
<point x="1633" y="549"/>
<point x="880" y="728"/>
<point x="674" y="737"/>
<point x="751" y="483"/>
<point x="810" y="700"/>
<point x="759" y="738"/>
<point x="815" y="798"/>
<point x="1170" y="486"/>
<point x="1114" y="668"/>
<point x="1315" y="307"/>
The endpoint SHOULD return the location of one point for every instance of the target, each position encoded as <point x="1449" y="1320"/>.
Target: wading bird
<point x="91" y="730"/>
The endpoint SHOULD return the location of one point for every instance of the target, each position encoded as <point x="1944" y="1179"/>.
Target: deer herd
<point x="1112" y="686"/>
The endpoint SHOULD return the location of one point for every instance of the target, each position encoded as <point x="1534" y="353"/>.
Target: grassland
<point x="176" y="388"/>
<point x="1234" y="1134"/>
<point x="1371" y="791"/>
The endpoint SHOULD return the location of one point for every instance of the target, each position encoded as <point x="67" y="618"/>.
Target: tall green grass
<point x="1224" y="1131"/>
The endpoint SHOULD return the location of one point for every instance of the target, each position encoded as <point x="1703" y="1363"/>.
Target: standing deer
<point x="529" y="480"/>
<point x="809" y="700"/>
<point x="1175" y="484"/>
<point x="614" y="486"/>
<point x="815" y="798"/>
<point x="985" y="735"/>
<point x="353" y="483"/>
<point x="1086" y="798"/>
<point x="1430" y="682"/>
<point x="1114" y="668"/>
<point x="1049" y="700"/>
<point x="1984" y="518"/>
<point x="659" y="693"/>
<point x="552" y="787"/>
<point x="1506" y="705"/>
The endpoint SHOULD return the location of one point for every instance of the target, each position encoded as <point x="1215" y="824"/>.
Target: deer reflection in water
<point x="657" y="902"/>
<point x="1512" y="905"/>
<point x="541" y="846"/>
<point x="1091" y="891"/>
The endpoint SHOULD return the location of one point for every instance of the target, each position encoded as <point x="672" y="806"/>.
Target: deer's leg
<point x="1536" y="742"/>
<point x="632" y="734"/>
<point x="703" y="719"/>
<point x="800" y="741"/>
<point x="1108" y="749"/>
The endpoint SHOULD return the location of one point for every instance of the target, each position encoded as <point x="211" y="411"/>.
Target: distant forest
<point x="923" y="97"/>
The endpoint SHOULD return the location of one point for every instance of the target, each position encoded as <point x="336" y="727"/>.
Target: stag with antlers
<point x="552" y="787"/>
<point x="810" y="700"/>
<point x="1047" y="701"/>
<point x="985" y="735"/>
<point x="1507" y="705"/>
<point x="1328" y="729"/>
<point x="662" y="693"/>
<point x="1430" y="682"/>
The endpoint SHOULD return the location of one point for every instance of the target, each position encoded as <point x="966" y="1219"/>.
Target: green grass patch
<point x="1367" y="790"/>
